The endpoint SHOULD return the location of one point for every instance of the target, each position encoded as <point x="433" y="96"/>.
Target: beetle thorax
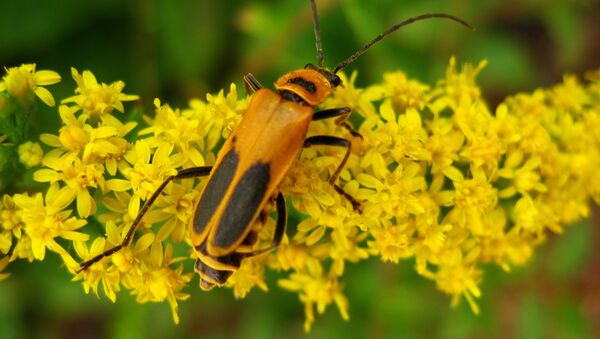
<point x="308" y="84"/>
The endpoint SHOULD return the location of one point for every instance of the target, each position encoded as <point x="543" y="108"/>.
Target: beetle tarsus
<point x="348" y="197"/>
<point x="350" y="129"/>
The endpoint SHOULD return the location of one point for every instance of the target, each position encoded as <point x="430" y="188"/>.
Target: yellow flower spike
<point x="439" y="177"/>
<point x="23" y="80"/>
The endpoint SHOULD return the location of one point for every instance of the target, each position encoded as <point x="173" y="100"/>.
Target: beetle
<point x="243" y="183"/>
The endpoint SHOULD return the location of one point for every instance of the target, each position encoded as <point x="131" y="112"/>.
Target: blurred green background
<point x="176" y="50"/>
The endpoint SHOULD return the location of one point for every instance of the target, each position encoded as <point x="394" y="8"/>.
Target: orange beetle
<point x="245" y="179"/>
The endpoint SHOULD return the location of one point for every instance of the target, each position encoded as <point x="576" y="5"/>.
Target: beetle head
<point x="312" y="85"/>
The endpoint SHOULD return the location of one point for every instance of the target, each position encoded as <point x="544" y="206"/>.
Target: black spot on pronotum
<point x="307" y="85"/>
<point x="215" y="190"/>
<point x="242" y="205"/>
<point x="291" y="96"/>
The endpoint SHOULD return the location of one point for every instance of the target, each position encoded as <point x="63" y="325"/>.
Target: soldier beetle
<point x="243" y="182"/>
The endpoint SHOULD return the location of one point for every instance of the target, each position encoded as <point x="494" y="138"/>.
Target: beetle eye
<point x="335" y="80"/>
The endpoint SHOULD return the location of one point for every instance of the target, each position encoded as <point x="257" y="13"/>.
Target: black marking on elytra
<point x="291" y="96"/>
<point x="307" y="85"/>
<point x="242" y="205"/>
<point x="215" y="190"/>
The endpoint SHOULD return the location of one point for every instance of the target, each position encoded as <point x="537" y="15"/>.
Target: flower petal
<point x="45" y="96"/>
<point x="45" y="78"/>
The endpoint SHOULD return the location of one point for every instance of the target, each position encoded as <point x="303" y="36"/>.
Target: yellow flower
<point x="174" y="209"/>
<point x="316" y="290"/>
<point x="10" y="220"/>
<point x="9" y="216"/>
<point x="5" y="242"/>
<point x="46" y="219"/>
<point x="73" y="135"/>
<point x="99" y="272"/>
<point x="524" y="179"/>
<point x="223" y="111"/>
<point x="570" y="95"/>
<point x="22" y="80"/>
<point x="460" y="280"/>
<point x="473" y="199"/>
<point x="148" y="172"/>
<point x="78" y="178"/>
<point x="104" y="144"/>
<point x="443" y="143"/>
<point x="250" y="274"/>
<point x="392" y="243"/>
<point x="97" y="99"/>
<point x="457" y="86"/>
<point x="158" y="281"/>
<point x="30" y="154"/>
<point x="404" y="93"/>
<point x="184" y="130"/>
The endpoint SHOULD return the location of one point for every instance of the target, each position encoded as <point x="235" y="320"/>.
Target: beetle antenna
<point x="317" y="33"/>
<point x="392" y="30"/>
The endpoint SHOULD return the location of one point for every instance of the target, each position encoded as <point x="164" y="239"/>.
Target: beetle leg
<point x="342" y="114"/>
<point x="279" y="227"/>
<point x="329" y="140"/>
<point x="250" y="83"/>
<point x="182" y="174"/>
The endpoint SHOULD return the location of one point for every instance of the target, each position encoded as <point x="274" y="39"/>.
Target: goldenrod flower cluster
<point x="440" y="176"/>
